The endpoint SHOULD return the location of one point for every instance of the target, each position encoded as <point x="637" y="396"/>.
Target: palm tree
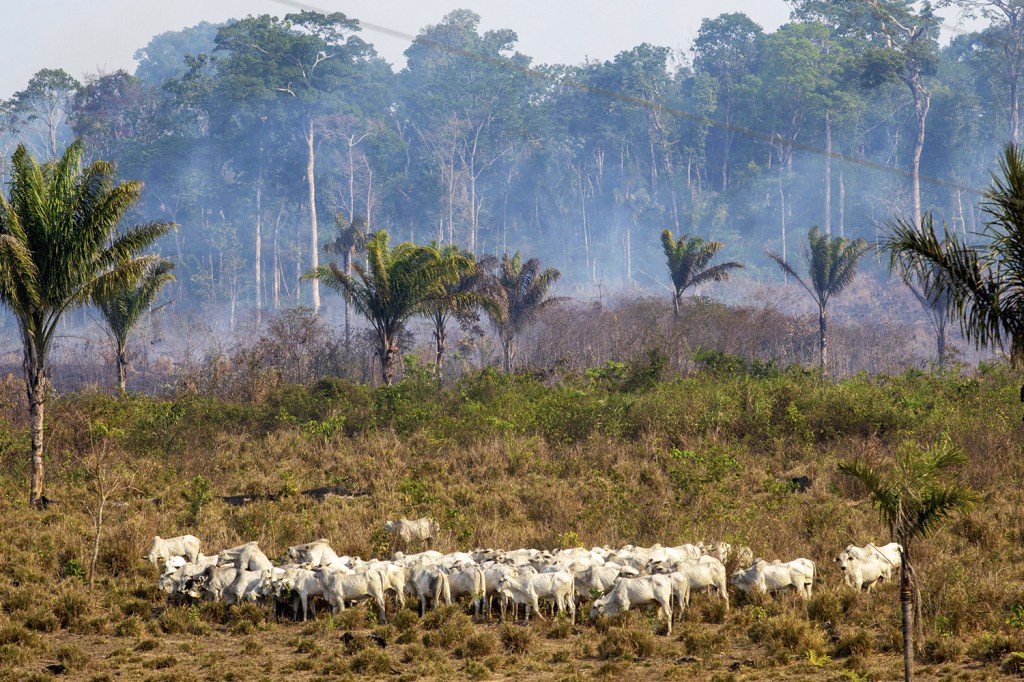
<point x="351" y="238"/>
<point x="688" y="263"/>
<point x="917" y="275"/>
<point x="460" y="297"/>
<point x="913" y="499"/>
<point x="392" y="287"/>
<point x="60" y="249"/>
<point x="522" y="292"/>
<point x="123" y="311"/>
<point x="831" y="267"/>
<point x="985" y="285"/>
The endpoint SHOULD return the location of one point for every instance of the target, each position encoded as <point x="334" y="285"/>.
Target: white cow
<point x="468" y="581"/>
<point x="248" y="557"/>
<point x="630" y="592"/>
<point x="430" y="584"/>
<point x="600" y="578"/>
<point x="863" y="567"/>
<point x="163" y="549"/>
<point x="298" y="583"/>
<point x="705" y="574"/>
<point x="316" y="553"/>
<point x="417" y="531"/>
<point x="339" y="588"/>
<point x="768" y="578"/>
<point x="530" y="589"/>
<point x="210" y="583"/>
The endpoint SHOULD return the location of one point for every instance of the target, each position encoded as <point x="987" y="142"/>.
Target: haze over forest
<point x="750" y="139"/>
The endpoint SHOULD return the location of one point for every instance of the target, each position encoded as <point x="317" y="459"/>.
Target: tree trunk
<point x="508" y="347"/>
<point x="440" y="340"/>
<point x="842" y="206"/>
<point x="314" y="239"/>
<point x="348" y="306"/>
<point x="906" y="608"/>
<point x="828" y="174"/>
<point x="822" y="341"/>
<point x="922" y="102"/>
<point x="675" y="302"/>
<point x="940" y="343"/>
<point x="122" y="368"/>
<point x="35" y="385"/>
<point x="99" y="531"/>
<point x="387" y="353"/>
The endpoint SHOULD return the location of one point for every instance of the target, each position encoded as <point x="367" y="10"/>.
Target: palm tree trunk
<point x="906" y="607"/>
<point x="35" y="387"/>
<point x="348" y="306"/>
<point x="122" y="367"/>
<point x="387" y="352"/>
<point x="822" y="341"/>
<point x="508" y="346"/>
<point x="440" y="339"/>
<point x="675" y="303"/>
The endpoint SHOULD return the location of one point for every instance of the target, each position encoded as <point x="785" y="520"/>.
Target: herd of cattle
<point x="615" y="579"/>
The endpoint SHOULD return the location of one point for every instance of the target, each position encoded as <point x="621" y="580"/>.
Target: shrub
<point x="990" y="647"/>
<point x="516" y="639"/>
<point x="480" y="645"/>
<point x="786" y="636"/>
<point x="855" y="642"/>
<point x="371" y="660"/>
<point x="629" y="644"/>
<point x="132" y="626"/>
<point x="941" y="649"/>
<point x="71" y="606"/>
<point x="244" y="618"/>
<point x="446" y="627"/>
<point x="182" y="620"/>
<point x="1013" y="664"/>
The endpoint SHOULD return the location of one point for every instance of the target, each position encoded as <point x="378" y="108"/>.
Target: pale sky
<point x="100" y="36"/>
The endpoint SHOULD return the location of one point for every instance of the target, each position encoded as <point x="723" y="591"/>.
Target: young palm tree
<point x="913" y="499"/>
<point x="59" y="249"/>
<point x="351" y="239"/>
<point x="985" y="285"/>
<point x="461" y="297"/>
<point x="831" y="267"/>
<point x="689" y="261"/>
<point x="393" y="286"/>
<point x="522" y="291"/>
<point x="123" y="311"/>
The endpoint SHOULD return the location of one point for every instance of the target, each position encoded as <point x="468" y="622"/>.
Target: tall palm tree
<point x="351" y="239"/>
<point x="522" y="291"/>
<point x="122" y="312"/>
<point x="831" y="268"/>
<point x="913" y="499"/>
<point x="689" y="265"/>
<point x="392" y="287"/>
<point x="985" y="284"/>
<point x="60" y="249"/>
<point x="461" y="297"/>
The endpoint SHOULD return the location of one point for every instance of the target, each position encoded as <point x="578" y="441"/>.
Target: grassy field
<point x="618" y="454"/>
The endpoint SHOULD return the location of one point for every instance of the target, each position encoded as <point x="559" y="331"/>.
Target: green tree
<point x="522" y="290"/>
<point x="985" y="285"/>
<point x="392" y="287"/>
<point x="831" y="268"/>
<point x="122" y="312"/>
<point x="459" y="297"/>
<point x="689" y="263"/>
<point x="350" y="239"/>
<point x="59" y="249"/>
<point x="913" y="498"/>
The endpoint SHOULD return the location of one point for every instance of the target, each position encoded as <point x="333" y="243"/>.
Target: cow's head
<point x="844" y="561"/>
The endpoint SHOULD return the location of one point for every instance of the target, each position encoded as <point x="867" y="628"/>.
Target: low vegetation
<point x="613" y="455"/>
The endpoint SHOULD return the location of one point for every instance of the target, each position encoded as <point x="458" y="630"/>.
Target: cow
<point x="767" y="578"/>
<point x="339" y="588"/>
<point x="706" y="574"/>
<point x="406" y="532"/>
<point x="530" y="589"/>
<point x="298" y="583"/>
<point x="163" y="549"/>
<point x="599" y="578"/>
<point x="210" y="583"/>
<point x="468" y="581"/>
<point x="863" y="567"/>
<point x="430" y="584"/>
<point x="630" y="592"/>
<point x="316" y="553"/>
<point x="248" y="557"/>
